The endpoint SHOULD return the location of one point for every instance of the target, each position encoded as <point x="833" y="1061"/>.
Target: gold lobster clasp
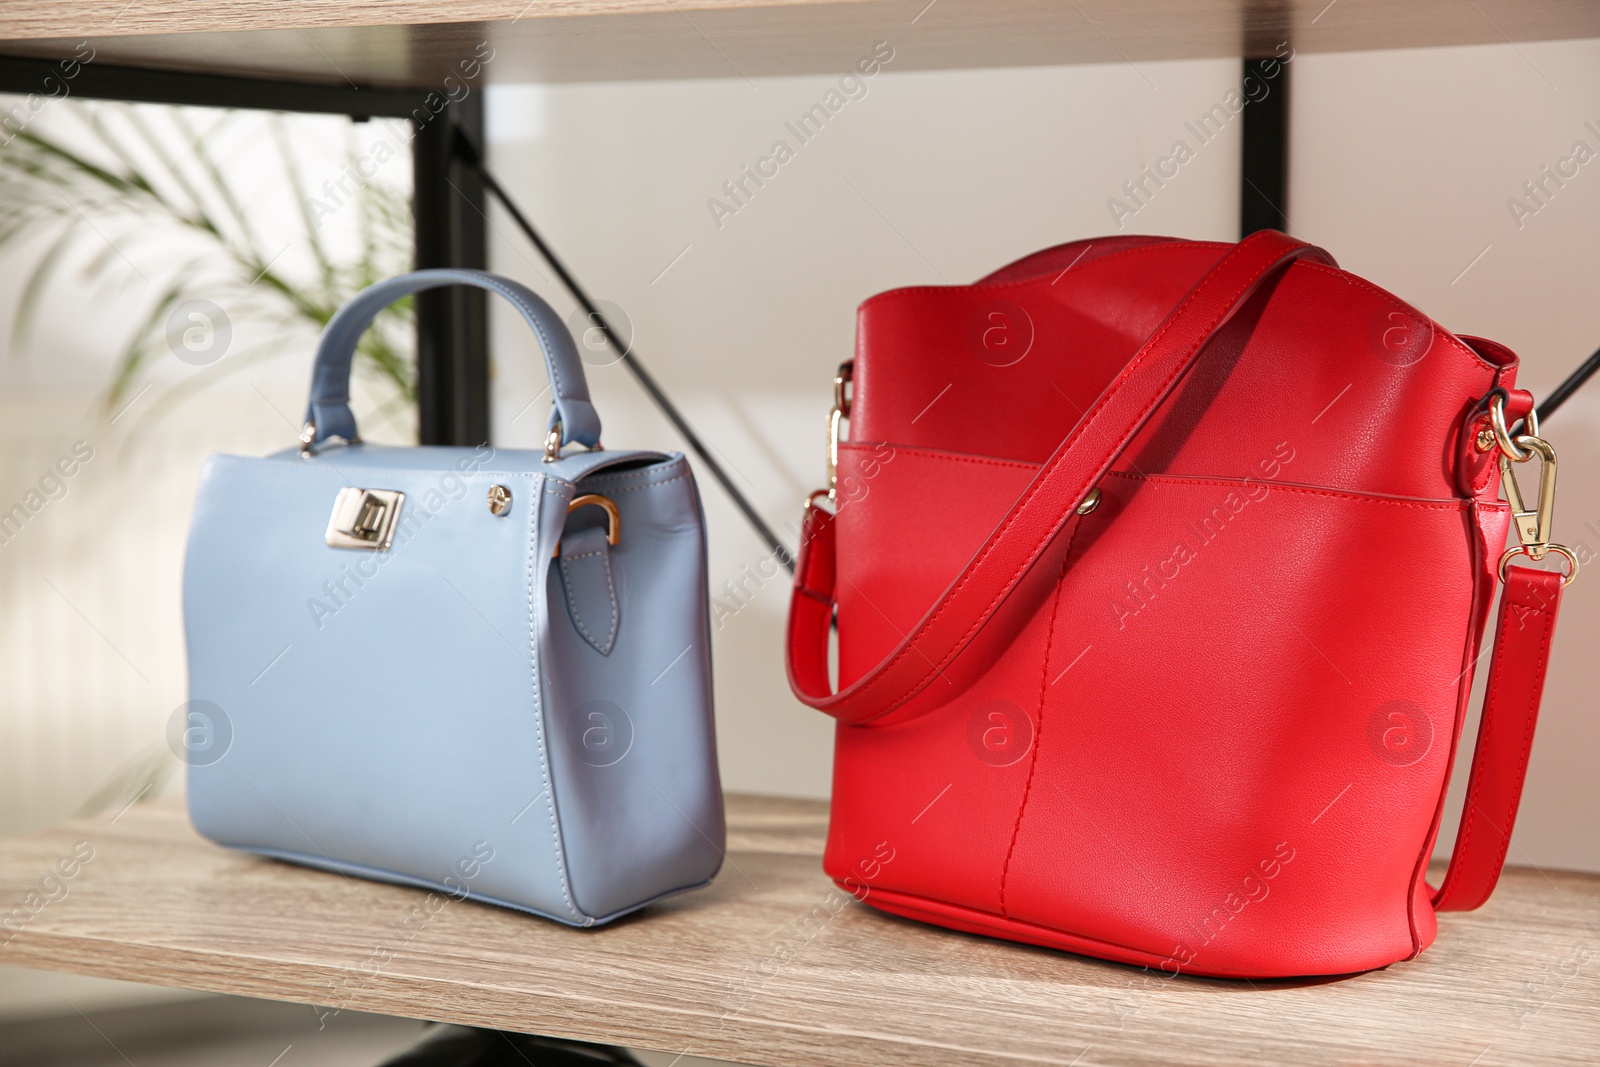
<point x="1534" y="523"/>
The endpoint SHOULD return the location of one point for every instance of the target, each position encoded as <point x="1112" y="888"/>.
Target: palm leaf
<point x="101" y="181"/>
<point x="44" y="272"/>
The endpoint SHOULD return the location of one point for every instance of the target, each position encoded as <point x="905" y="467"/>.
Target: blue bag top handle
<point x="328" y="414"/>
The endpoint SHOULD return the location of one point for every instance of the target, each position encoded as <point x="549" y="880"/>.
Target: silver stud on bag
<point x="499" y="500"/>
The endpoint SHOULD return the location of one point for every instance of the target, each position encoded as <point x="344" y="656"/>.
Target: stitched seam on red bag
<point x="1341" y="494"/>
<point x="1173" y="479"/>
<point x="1080" y="938"/>
<point x="1165" y="243"/>
<point x="1536" y="684"/>
<point x="1156" y="245"/>
<point x="1395" y="302"/>
<point x="1082" y="428"/>
<point x="1038" y="733"/>
<point x="934" y="453"/>
<point x="1033" y="279"/>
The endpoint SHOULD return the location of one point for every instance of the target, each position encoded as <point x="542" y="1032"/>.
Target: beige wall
<point x="1402" y="163"/>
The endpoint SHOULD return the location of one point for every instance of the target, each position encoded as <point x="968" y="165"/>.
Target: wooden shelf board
<point x="417" y="43"/>
<point x="761" y="969"/>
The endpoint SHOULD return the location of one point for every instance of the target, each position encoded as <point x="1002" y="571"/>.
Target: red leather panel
<point x="1277" y="715"/>
<point x="1209" y="725"/>
<point x="1329" y="352"/>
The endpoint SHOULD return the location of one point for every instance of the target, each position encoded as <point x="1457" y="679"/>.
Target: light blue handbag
<point x="482" y="671"/>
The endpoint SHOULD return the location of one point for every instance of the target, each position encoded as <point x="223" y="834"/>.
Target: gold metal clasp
<point x="1498" y="433"/>
<point x="841" y="411"/>
<point x="604" y="503"/>
<point x="364" y="518"/>
<point x="1534" y="523"/>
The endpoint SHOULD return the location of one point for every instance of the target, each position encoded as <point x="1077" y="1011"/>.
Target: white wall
<point x="1401" y="165"/>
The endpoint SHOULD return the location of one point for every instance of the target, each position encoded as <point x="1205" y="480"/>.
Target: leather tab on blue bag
<point x="591" y="590"/>
<point x="329" y="410"/>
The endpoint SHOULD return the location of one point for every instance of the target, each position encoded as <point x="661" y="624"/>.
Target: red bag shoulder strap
<point x="1043" y="510"/>
<point x="1049" y="506"/>
<point x="1528" y="606"/>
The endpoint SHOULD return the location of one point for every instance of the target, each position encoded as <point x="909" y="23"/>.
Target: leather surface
<point x="329" y="407"/>
<point x="590" y="587"/>
<point x="439" y="695"/>
<point x="451" y="712"/>
<point x="1210" y="723"/>
<point x="1045" y="507"/>
<point x="1528" y="609"/>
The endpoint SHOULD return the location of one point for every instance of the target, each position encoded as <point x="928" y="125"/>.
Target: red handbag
<point x="1160" y="570"/>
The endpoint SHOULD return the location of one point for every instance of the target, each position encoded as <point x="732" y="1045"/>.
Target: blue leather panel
<point x="396" y="714"/>
<point x="632" y="745"/>
<point x="584" y="565"/>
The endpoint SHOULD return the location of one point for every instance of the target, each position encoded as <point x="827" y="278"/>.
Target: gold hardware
<point x="840" y="411"/>
<point x="1533" y="525"/>
<point x="1090" y="502"/>
<point x="499" y="500"/>
<point x="1561" y="550"/>
<point x="364" y="518"/>
<point x="604" y="503"/>
<point x="1501" y="434"/>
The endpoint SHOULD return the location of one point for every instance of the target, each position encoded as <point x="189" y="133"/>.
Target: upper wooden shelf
<point x="771" y="965"/>
<point x="417" y="43"/>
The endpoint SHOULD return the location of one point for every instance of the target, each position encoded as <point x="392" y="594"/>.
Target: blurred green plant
<point x="123" y="182"/>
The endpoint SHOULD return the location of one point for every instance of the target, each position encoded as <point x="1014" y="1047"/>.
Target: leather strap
<point x="1528" y="606"/>
<point x="329" y="408"/>
<point x="1047" y="507"/>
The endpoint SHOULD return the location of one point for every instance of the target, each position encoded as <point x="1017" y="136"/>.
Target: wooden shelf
<point x="417" y="43"/>
<point x="757" y="969"/>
